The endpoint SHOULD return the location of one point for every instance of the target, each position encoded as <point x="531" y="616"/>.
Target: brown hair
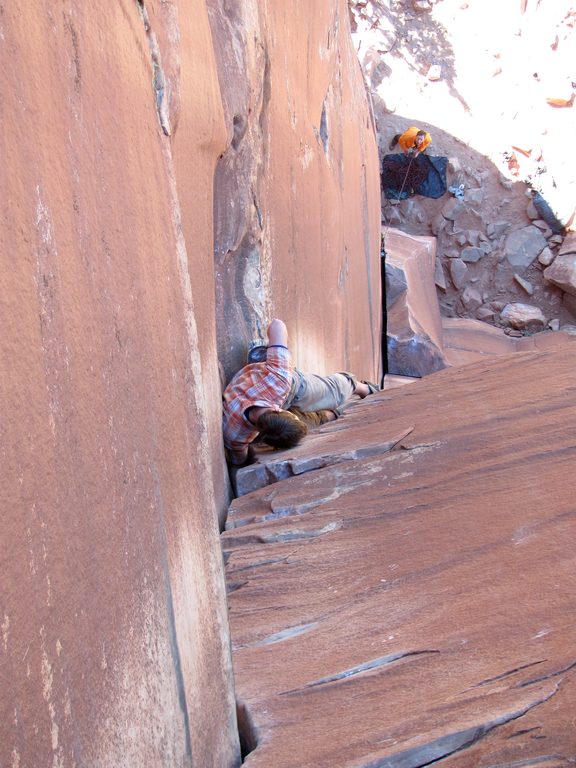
<point x="281" y="429"/>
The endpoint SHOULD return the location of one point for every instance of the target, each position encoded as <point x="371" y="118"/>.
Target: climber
<point x="413" y="142"/>
<point x="257" y="400"/>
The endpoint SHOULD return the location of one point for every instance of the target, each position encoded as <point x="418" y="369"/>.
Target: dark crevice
<point x="366" y="666"/>
<point x="246" y="730"/>
<point x="450" y="744"/>
<point x="509" y="673"/>
<point x="384" y="344"/>
<point x="324" y="128"/>
<point x="550" y="676"/>
<point x="240" y="125"/>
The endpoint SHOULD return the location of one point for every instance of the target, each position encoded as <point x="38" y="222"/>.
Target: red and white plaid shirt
<point x="265" y="385"/>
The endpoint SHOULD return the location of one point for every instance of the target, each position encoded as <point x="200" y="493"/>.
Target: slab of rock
<point x="568" y="244"/>
<point x="471" y="299"/>
<point x="414" y="325"/>
<point x="523" y="316"/>
<point x="439" y="277"/>
<point x="524" y="245"/>
<point x="526" y="285"/>
<point x="562" y="272"/>
<point x="546" y="257"/>
<point x="472" y="254"/>
<point x="444" y="567"/>
<point x="115" y="647"/>
<point x="458" y="272"/>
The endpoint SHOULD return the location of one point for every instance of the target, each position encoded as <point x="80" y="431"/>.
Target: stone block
<point x="471" y="254"/>
<point x="523" y="317"/>
<point x="562" y="272"/>
<point x="458" y="272"/>
<point x="524" y="245"/>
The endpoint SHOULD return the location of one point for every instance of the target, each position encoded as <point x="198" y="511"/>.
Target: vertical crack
<point x="158" y="77"/>
<point x="324" y="128"/>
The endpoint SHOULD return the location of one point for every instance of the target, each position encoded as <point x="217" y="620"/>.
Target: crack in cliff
<point x="358" y="669"/>
<point x="261" y="474"/>
<point x="281" y="635"/>
<point x="453" y="743"/>
<point x="279" y="538"/>
<point x="549" y="676"/>
<point x="247" y="729"/>
<point x="508" y="673"/>
<point x="158" y="77"/>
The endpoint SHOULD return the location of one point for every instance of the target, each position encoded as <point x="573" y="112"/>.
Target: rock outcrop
<point x="413" y="602"/>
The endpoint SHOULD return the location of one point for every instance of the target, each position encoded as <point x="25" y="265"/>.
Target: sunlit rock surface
<point x="297" y="191"/>
<point x="415" y="602"/>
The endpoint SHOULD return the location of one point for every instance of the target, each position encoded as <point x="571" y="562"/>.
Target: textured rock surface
<point x="128" y="276"/>
<point x="417" y="604"/>
<point x="114" y="646"/>
<point x="297" y="200"/>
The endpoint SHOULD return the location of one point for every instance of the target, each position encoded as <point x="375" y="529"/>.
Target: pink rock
<point x="562" y="272"/>
<point x="523" y="316"/>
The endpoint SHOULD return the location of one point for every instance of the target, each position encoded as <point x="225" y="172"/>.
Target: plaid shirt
<point x="264" y="384"/>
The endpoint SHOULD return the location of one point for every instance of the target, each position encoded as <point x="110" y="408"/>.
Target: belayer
<point x="413" y="142"/>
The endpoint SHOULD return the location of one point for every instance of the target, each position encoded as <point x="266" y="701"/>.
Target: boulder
<point x="523" y="317"/>
<point x="414" y="325"/>
<point x="522" y="246"/>
<point x="546" y="257"/>
<point x="472" y="254"/>
<point x="562" y="272"/>
<point x="471" y="299"/>
<point x="568" y="244"/>
<point x="458" y="272"/>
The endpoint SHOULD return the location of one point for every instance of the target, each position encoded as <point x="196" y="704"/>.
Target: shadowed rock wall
<point x="297" y="202"/>
<point x="114" y="647"/>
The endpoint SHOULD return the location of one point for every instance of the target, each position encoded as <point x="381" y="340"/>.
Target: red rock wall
<point x="114" y="646"/>
<point x="297" y="201"/>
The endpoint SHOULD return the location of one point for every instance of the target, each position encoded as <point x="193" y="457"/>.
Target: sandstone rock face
<point x="297" y="200"/>
<point x="414" y="604"/>
<point x="114" y="628"/>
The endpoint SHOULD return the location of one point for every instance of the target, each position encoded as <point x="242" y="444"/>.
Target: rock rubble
<point x="502" y="226"/>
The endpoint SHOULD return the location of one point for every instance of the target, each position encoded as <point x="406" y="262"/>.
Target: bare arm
<point x="277" y="333"/>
